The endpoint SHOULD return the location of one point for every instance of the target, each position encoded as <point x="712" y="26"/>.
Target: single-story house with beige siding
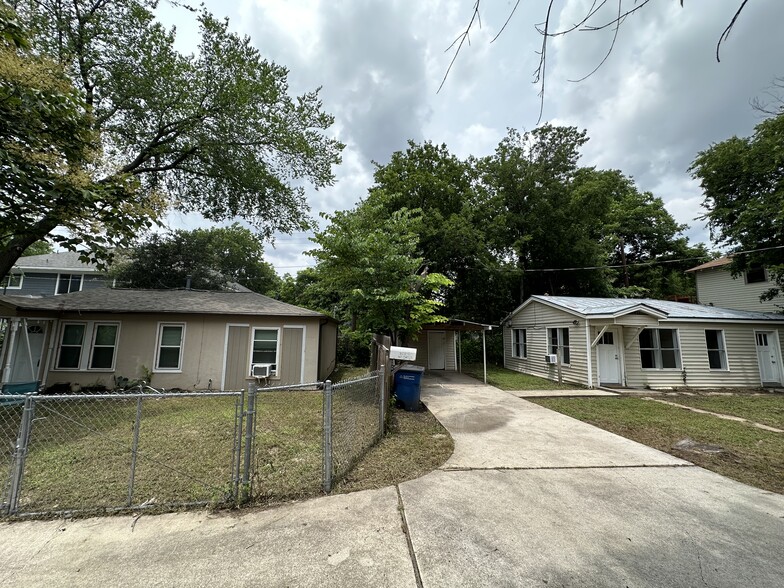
<point x="643" y="343"/>
<point x="186" y="339"/>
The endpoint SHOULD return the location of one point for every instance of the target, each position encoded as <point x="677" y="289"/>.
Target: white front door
<point x="609" y="362"/>
<point x="769" y="357"/>
<point x="29" y="349"/>
<point x="436" y="345"/>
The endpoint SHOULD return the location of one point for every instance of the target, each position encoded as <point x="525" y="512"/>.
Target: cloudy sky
<point x="660" y="97"/>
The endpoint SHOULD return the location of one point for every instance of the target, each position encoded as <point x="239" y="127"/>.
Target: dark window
<point x="11" y="281"/>
<point x="519" y="343"/>
<point x="659" y="349"/>
<point x="265" y="346"/>
<point x="71" y="346"/>
<point x="104" y="346"/>
<point x="67" y="283"/>
<point x="559" y="337"/>
<point x="170" y="347"/>
<point x="754" y="275"/>
<point x="717" y="354"/>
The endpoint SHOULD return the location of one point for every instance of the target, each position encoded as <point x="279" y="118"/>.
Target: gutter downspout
<point x="588" y="353"/>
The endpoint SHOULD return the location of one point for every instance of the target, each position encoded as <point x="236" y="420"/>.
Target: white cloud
<point x="659" y="98"/>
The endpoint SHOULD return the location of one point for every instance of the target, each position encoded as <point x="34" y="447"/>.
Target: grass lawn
<point x="751" y="456"/>
<point x="767" y="409"/>
<point x="347" y="372"/>
<point x="414" y="445"/>
<point x="510" y="380"/>
<point x="80" y="451"/>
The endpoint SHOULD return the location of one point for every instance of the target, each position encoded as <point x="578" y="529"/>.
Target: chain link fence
<point x="92" y="453"/>
<point x="356" y="412"/>
<point x="82" y="452"/>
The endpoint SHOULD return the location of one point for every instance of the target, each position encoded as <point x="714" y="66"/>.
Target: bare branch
<point x="609" y="51"/>
<point x="508" y="18"/>
<point x="725" y="35"/>
<point x="461" y="38"/>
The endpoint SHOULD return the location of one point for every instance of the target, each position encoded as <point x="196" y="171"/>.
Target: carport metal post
<point x="484" y="355"/>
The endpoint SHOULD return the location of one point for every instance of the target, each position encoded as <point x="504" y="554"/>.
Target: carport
<point x="439" y="345"/>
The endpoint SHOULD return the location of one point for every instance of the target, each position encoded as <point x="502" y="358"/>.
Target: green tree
<point x="367" y="259"/>
<point x="214" y="132"/>
<point x="642" y="237"/>
<point x="452" y="237"/>
<point x="48" y="148"/>
<point x="742" y="179"/>
<point x="542" y="220"/>
<point x="214" y="259"/>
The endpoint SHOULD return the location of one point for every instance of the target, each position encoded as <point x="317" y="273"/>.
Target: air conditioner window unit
<point x="551" y="358"/>
<point x="262" y="370"/>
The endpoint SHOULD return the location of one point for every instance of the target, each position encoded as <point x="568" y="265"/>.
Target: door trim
<point x="619" y="372"/>
<point x="774" y="335"/>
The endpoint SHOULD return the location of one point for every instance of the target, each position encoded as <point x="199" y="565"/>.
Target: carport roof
<point x="611" y="307"/>
<point x="160" y="301"/>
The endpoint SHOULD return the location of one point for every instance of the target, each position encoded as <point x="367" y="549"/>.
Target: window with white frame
<point x="69" y="355"/>
<point x="659" y="349"/>
<point x="103" y="353"/>
<point x="265" y="347"/>
<point x="519" y="343"/>
<point x="12" y="282"/>
<point x="168" y="356"/>
<point x="559" y="339"/>
<point x="717" y="352"/>
<point x="67" y="283"/>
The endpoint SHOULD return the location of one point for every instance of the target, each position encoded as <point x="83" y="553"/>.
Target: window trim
<point x="253" y="330"/>
<point x="9" y="286"/>
<point x="57" y="283"/>
<point x="560" y="344"/>
<point x="97" y="324"/>
<point x="723" y="351"/>
<point x="159" y="334"/>
<point x="515" y="343"/>
<point x="79" y="363"/>
<point x="657" y="349"/>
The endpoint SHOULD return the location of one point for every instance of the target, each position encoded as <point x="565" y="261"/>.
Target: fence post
<point x="236" y="456"/>
<point x="250" y="426"/>
<point x="327" y="436"/>
<point x="134" y="448"/>
<point x="382" y="411"/>
<point x="20" y="453"/>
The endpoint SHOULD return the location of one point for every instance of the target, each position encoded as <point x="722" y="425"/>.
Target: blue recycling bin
<point x="408" y="381"/>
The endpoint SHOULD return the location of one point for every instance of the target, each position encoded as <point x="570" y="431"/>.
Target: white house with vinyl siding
<point x="642" y="343"/>
<point x="716" y="286"/>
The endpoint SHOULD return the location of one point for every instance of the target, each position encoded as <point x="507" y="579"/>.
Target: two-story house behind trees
<point x="51" y="274"/>
<point x="716" y="286"/>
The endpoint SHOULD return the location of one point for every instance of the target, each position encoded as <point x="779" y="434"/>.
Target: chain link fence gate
<point x="94" y="453"/>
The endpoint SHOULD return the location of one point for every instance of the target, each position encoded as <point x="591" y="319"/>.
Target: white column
<point x="588" y="353"/>
<point x="484" y="355"/>
<point x="14" y="326"/>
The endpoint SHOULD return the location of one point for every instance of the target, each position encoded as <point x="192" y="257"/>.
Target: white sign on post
<point x="402" y="353"/>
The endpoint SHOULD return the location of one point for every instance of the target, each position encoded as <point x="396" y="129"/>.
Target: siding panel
<point x="536" y="318"/>
<point x="718" y="287"/>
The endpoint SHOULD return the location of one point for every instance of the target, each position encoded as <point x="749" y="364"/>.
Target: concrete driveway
<point x="529" y="498"/>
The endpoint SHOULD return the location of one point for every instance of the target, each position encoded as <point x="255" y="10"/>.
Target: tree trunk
<point x="19" y="243"/>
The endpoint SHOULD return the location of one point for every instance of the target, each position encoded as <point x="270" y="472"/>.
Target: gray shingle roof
<point x="58" y="260"/>
<point x="672" y="310"/>
<point x="162" y="301"/>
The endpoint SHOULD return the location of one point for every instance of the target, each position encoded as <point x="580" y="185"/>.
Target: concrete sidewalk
<point x="529" y="498"/>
